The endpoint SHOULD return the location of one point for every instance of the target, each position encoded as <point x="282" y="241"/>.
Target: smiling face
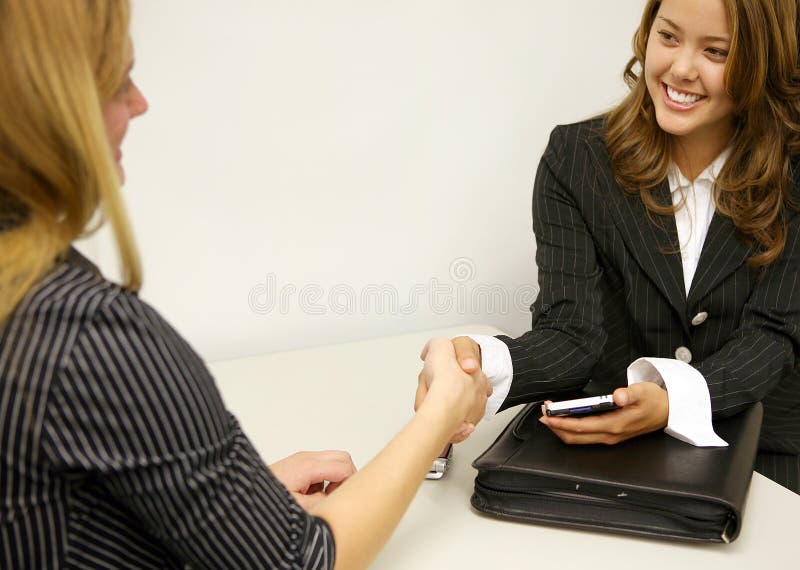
<point x="125" y="104"/>
<point x="685" y="73"/>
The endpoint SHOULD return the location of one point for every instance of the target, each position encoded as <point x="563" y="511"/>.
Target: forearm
<point x="549" y="361"/>
<point x="745" y="371"/>
<point x="384" y="488"/>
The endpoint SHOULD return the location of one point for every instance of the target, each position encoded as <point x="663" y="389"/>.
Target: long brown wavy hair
<point x="763" y="79"/>
<point x="60" y="60"/>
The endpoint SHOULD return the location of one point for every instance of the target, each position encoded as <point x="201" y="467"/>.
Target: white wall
<point x="343" y="147"/>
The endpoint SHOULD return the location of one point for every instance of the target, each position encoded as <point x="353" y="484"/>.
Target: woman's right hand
<point x="446" y="388"/>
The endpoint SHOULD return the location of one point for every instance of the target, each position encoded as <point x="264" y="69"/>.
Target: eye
<point x="124" y="87"/>
<point x="718" y="52"/>
<point x="667" y="36"/>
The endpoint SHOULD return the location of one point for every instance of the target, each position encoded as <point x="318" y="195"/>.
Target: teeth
<point x="684" y="98"/>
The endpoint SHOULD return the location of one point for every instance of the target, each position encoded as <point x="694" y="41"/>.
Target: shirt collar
<point x="677" y="180"/>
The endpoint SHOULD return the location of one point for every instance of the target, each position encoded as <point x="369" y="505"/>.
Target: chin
<point x="674" y="130"/>
<point x="674" y="126"/>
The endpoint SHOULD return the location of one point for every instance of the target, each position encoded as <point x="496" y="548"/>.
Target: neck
<point x="693" y="154"/>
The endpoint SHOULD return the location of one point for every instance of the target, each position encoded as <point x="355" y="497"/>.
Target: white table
<point x="356" y="396"/>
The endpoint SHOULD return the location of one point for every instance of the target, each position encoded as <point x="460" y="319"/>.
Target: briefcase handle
<point x="531" y="412"/>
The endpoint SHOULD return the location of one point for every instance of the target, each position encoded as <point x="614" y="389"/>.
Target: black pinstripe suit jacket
<point x="612" y="290"/>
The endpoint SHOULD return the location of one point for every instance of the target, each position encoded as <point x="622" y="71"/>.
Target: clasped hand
<point x="643" y="407"/>
<point x="451" y="373"/>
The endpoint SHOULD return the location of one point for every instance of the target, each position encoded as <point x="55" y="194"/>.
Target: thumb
<point x="467" y="353"/>
<point x="625" y="396"/>
<point x="439" y="350"/>
<point x="424" y="352"/>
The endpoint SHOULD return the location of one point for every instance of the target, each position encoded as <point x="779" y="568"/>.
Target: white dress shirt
<point x="689" y="400"/>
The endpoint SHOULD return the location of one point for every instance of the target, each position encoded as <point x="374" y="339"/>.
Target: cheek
<point x="714" y="79"/>
<point x="653" y="71"/>
<point x="656" y="63"/>
<point x="116" y="121"/>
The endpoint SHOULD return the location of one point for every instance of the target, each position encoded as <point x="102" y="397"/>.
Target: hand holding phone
<point x="581" y="406"/>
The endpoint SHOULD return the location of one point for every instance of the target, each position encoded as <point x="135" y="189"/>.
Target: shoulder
<point x="103" y="316"/>
<point x="68" y="296"/>
<point x="110" y="351"/>
<point x="576" y="153"/>
<point x="38" y="338"/>
<point x="59" y="304"/>
<point x="74" y="302"/>
<point x="577" y="149"/>
<point x="590" y="132"/>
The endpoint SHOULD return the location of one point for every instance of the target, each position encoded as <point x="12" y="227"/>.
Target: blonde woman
<point x="117" y="451"/>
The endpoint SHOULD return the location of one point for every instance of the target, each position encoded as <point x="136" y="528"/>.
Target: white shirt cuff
<point x="496" y="364"/>
<point x="689" y="401"/>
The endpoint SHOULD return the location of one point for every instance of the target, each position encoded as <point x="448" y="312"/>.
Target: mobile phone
<point x="441" y="463"/>
<point x="581" y="406"/>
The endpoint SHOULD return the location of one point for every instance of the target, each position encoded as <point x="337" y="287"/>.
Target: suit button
<point x="683" y="354"/>
<point x="699" y="318"/>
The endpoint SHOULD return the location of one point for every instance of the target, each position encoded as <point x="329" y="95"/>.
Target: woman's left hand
<point x="310" y="475"/>
<point x="643" y="408"/>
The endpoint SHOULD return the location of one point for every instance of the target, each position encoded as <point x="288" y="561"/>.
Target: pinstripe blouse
<point x="117" y="451"/>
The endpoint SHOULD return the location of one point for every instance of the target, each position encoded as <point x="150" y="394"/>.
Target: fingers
<point x="454" y="387"/>
<point x="468" y="354"/>
<point x="642" y="408"/>
<point x="308" y="501"/>
<point x="600" y="424"/>
<point x="440" y="350"/>
<point x="334" y="466"/>
<point x="463" y="432"/>
<point x="483" y="390"/>
<point x="573" y="438"/>
<point x="301" y="471"/>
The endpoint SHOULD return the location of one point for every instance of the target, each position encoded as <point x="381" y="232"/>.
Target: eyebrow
<point x="707" y="38"/>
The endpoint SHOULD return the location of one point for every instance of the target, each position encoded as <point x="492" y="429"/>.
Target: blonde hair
<point x="762" y="76"/>
<point x="60" y="61"/>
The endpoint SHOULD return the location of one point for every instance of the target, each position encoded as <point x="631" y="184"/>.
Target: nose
<point x="683" y="66"/>
<point x="138" y="103"/>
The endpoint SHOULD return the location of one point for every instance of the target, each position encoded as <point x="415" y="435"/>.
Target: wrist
<point x="440" y="417"/>
<point x="664" y="408"/>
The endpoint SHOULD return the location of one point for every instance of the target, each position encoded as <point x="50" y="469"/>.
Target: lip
<point x="679" y="106"/>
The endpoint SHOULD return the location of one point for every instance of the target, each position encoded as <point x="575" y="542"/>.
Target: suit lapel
<point x="653" y="242"/>
<point x="722" y="254"/>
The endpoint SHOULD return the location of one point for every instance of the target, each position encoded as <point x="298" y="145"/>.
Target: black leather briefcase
<point x="653" y="485"/>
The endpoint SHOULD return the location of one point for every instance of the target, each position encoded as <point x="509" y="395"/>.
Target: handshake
<point x="452" y="384"/>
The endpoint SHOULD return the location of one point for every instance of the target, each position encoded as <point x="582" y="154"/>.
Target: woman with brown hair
<point x="668" y="241"/>
<point x="117" y="450"/>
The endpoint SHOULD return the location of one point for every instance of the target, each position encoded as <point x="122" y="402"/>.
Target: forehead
<point x="129" y="52"/>
<point x="697" y="17"/>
